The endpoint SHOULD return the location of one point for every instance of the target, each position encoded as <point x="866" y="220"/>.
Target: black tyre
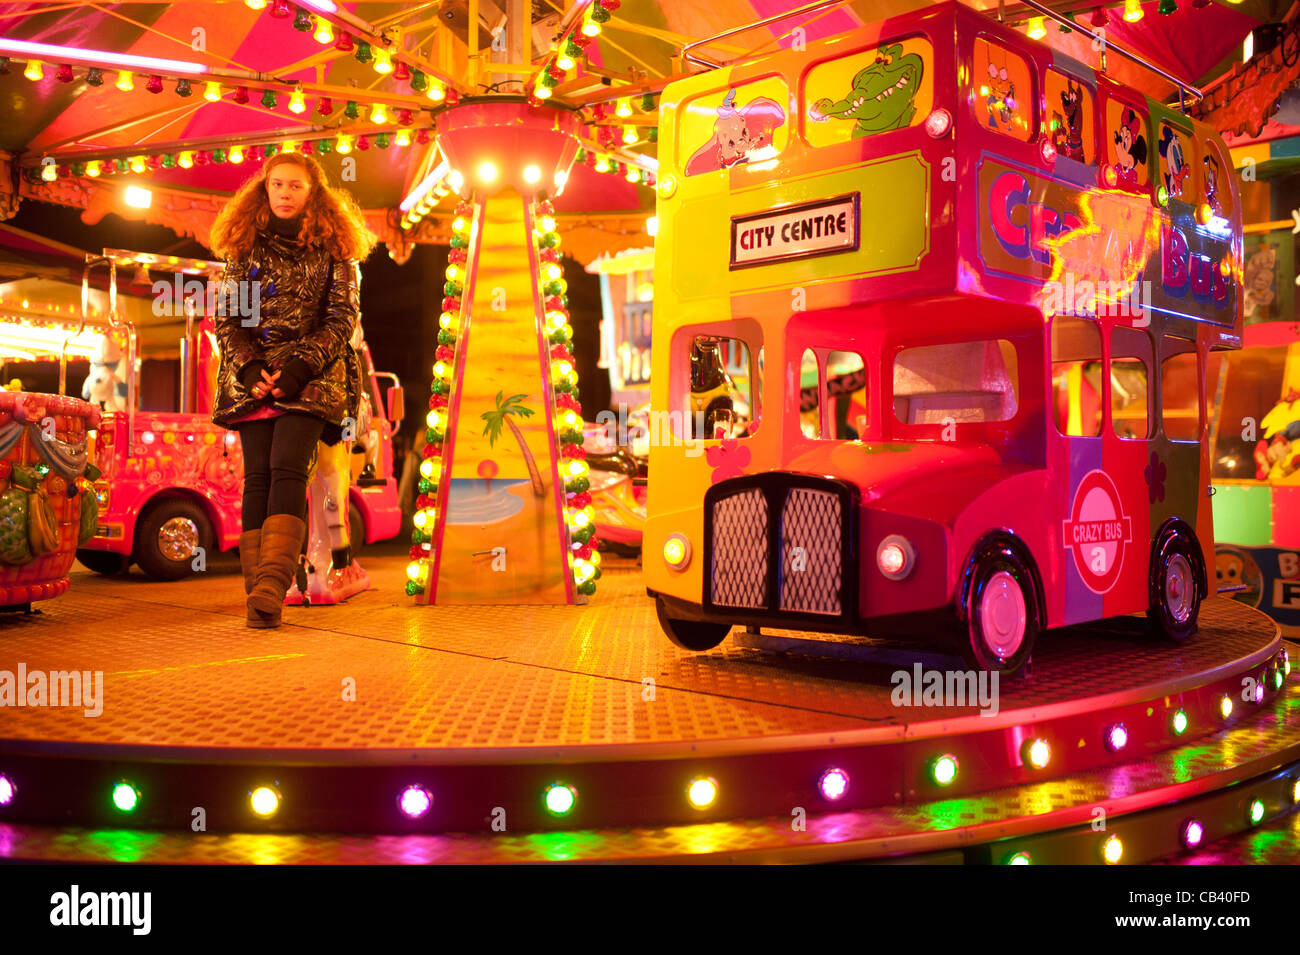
<point x="1175" y="588"/>
<point x="167" y="538"/>
<point x="1002" y="614"/>
<point x="103" y="561"/>
<point x="356" y="528"/>
<point x="690" y="634"/>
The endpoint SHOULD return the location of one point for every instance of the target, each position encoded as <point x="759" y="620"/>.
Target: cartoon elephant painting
<point x="738" y="133"/>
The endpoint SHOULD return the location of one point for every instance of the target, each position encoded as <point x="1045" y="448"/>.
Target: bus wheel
<point x="1175" y="592"/>
<point x="103" y="561"/>
<point x="167" y="539"/>
<point x="691" y="634"/>
<point x="1001" y="611"/>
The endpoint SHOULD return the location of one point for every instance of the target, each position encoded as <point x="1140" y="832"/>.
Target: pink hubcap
<point x="1002" y="615"/>
<point x="1179" y="588"/>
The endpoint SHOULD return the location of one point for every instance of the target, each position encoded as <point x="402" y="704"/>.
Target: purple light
<point x="834" y="784"/>
<point x="7" y="790"/>
<point x="1193" y="833"/>
<point x="76" y="54"/>
<point x="1117" y="737"/>
<point x="415" y="801"/>
<point x="1259" y="691"/>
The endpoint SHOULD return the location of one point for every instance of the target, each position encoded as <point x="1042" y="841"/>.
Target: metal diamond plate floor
<point x="181" y="669"/>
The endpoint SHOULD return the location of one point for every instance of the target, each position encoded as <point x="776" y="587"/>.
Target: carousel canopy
<point x="181" y="99"/>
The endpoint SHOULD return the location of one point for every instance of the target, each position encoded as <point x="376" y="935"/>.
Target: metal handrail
<point x="1106" y="44"/>
<point x="806" y="8"/>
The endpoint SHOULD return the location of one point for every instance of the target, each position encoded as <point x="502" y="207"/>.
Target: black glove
<point x="293" y="376"/>
<point x="251" y="374"/>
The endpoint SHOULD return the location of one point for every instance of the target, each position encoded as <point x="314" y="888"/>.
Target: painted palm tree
<point x="492" y="430"/>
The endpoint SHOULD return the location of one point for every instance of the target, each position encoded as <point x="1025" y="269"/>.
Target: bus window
<point x="846" y="390"/>
<point x="742" y="124"/>
<point x="1176" y="164"/>
<point x="1127" y="154"/>
<point x="1130" y="371"/>
<point x="1249" y="383"/>
<point x="964" y="381"/>
<point x="721" y="393"/>
<point x="1179" y="394"/>
<point x="873" y="91"/>
<point x="810" y="392"/>
<point x="1004" y="94"/>
<point x="1069" y="106"/>
<point x="1076" y="377"/>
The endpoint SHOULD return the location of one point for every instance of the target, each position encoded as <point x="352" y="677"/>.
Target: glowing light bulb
<point x="420" y="519"/>
<point x="1038" y="753"/>
<point x="623" y="109"/>
<point x="1193" y="833"/>
<point x="1256" y="812"/>
<point x="93" y="168"/>
<point x="532" y="174"/>
<point x="403" y="137"/>
<point x="436" y="91"/>
<point x="378" y="114"/>
<point x="944" y="769"/>
<point x="1225" y="706"/>
<point x="547" y="223"/>
<point x="629" y="135"/>
<point x="125" y="797"/>
<point x="564" y="62"/>
<point x="324" y="32"/>
<point x="561" y="177"/>
<point x="459" y="224"/>
<point x="297" y="102"/>
<point x="1037" y="30"/>
<point x="590" y="28"/>
<point x="185" y="160"/>
<point x="542" y="92"/>
<point x="124" y="81"/>
<point x="1020" y="858"/>
<point x="652" y="226"/>
<point x="343" y="146"/>
<point x="7" y="790"/>
<point x="440" y="368"/>
<point x="702" y="793"/>
<point x="834" y="784"/>
<point x="264" y="801"/>
<point x="434" y="419"/>
<point x="1112" y="850"/>
<point x="212" y="91"/>
<point x="34" y="70"/>
<point x="1132" y="11"/>
<point x="236" y="155"/>
<point x="137" y="164"/>
<point x="49" y="172"/>
<point x="413" y="570"/>
<point x="487" y="171"/>
<point x="560" y="799"/>
<point x="553" y="270"/>
<point x="452" y="273"/>
<point x="415" y="801"/>
<point x="383" y="61"/>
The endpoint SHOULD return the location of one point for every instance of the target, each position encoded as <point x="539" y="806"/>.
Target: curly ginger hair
<point x="331" y="219"/>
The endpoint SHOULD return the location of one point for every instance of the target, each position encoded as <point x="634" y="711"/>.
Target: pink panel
<point x="1286" y="516"/>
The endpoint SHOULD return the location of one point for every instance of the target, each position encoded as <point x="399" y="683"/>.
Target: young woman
<point x="289" y="306"/>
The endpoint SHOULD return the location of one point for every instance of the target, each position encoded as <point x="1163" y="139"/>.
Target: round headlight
<point x="677" y="551"/>
<point x="895" y="557"/>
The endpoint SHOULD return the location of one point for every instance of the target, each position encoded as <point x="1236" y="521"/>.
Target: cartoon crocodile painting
<point x="881" y="98"/>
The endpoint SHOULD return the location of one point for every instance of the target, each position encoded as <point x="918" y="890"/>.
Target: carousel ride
<point x="507" y="690"/>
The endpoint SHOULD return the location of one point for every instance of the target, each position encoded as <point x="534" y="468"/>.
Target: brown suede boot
<point x="250" y="547"/>
<point x="282" y="536"/>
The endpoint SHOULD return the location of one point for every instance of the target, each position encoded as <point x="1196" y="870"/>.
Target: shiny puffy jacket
<point x="285" y="302"/>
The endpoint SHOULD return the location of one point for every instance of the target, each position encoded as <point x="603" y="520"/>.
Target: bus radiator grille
<point x="739" y="576"/>
<point x="811" y="571"/>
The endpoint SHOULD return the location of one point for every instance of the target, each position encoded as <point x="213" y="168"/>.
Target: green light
<point x="1162" y="196"/>
<point x="944" y="769"/>
<point x="1277" y="679"/>
<point x="125" y="796"/>
<point x="1256" y="812"/>
<point x="1020" y="858"/>
<point x="560" y="799"/>
<point x="1180" y="722"/>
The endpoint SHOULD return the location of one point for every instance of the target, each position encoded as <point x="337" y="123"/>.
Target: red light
<point x="1048" y="151"/>
<point x="892" y="559"/>
<point x="1110" y="177"/>
<point x="938" y="123"/>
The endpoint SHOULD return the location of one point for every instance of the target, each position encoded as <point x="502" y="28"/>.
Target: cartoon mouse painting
<point x="1130" y="149"/>
<point x="738" y="133"/>
<point x="1176" y="167"/>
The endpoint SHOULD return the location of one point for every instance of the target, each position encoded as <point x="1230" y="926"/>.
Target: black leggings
<point x="277" y="454"/>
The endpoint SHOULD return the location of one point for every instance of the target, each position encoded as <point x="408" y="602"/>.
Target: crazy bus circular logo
<point x="1098" y="531"/>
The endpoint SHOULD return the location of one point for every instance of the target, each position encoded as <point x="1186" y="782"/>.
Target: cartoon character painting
<point x="1278" y="454"/>
<point x="1002" y="98"/>
<point x="1069" y="134"/>
<point x="882" y="95"/>
<point x="738" y="134"/>
<point x="1130" y="149"/>
<point x="1176" y="168"/>
<point x="1260" y="280"/>
<point x="1212" y="184"/>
